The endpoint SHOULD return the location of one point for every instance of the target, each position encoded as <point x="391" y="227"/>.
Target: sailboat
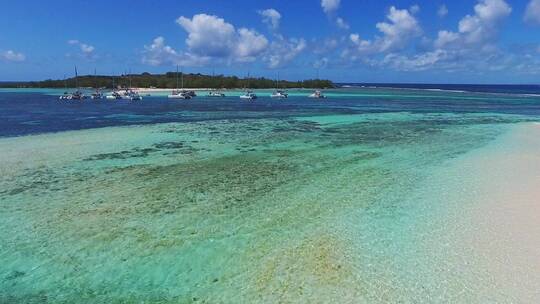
<point x="318" y="93"/>
<point x="249" y="95"/>
<point x="97" y="94"/>
<point x="77" y="95"/>
<point x="130" y="93"/>
<point x="215" y="92"/>
<point x="179" y="94"/>
<point x="277" y="92"/>
<point x="114" y="94"/>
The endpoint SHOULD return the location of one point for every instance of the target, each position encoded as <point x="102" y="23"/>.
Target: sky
<point x="435" y="41"/>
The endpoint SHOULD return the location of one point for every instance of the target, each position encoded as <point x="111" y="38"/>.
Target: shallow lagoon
<point x="289" y="202"/>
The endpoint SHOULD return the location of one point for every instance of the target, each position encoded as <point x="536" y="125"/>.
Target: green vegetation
<point x="168" y="80"/>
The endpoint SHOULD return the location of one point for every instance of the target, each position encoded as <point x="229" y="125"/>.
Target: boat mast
<point x="76" y="79"/>
<point x="177" y="77"/>
<point x="182" y="75"/>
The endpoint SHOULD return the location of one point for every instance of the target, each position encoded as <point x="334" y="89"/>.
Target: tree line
<point x="169" y="80"/>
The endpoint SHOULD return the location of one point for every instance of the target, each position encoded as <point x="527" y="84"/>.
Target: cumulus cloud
<point x="12" y="56"/>
<point x="330" y="6"/>
<point x="442" y="11"/>
<point x="211" y="36"/>
<point x="271" y="17"/>
<point x="158" y="53"/>
<point x="283" y="51"/>
<point x="397" y="32"/>
<point x="479" y="30"/>
<point x="472" y="46"/>
<point x="532" y="12"/>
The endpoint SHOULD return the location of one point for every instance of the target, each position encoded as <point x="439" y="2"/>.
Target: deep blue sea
<point x="30" y="111"/>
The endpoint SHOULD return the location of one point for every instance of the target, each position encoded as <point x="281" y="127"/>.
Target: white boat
<point x="216" y="94"/>
<point x="180" y="94"/>
<point x="77" y="95"/>
<point x="248" y="95"/>
<point x="279" y="94"/>
<point x="97" y="95"/>
<point x="114" y="95"/>
<point x="317" y="94"/>
<point x="133" y="95"/>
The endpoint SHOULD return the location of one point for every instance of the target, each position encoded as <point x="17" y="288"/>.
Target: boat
<point x="317" y="94"/>
<point x="114" y="94"/>
<point x="130" y="93"/>
<point x="177" y="93"/>
<point x="248" y="95"/>
<point x="77" y="95"/>
<point x="277" y="92"/>
<point x="97" y="94"/>
<point x="216" y="94"/>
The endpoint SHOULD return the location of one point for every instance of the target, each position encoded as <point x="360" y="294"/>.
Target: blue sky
<point x="475" y="41"/>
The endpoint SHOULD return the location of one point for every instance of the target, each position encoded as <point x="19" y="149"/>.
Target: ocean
<point x="217" y="200"/>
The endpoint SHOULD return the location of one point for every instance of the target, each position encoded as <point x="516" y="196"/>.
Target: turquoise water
<point x="301" y="207"/>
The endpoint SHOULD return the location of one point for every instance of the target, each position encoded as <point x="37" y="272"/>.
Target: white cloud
<point x="445" y="38"/>
<point x="12" y="56"/>
<point x="211" y="36"/>
<point x="442" y="11"/>
<point x="342" y="24"/>
<point x="401" y="27"/>
<point x="330" y="6"/>
<point x="158" y="53"/>
<point x="283" y="51"/>
<point x="532" y="13"/>
<point x="249" y="45"/>
<point x="271" y="17"/>
<point x="419" y="62"/>
<point x="414" y="9"/>
<point x="477" y="31"/>
<point x="87" y="50"/>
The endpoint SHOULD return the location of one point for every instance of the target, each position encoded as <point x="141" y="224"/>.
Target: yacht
<point x="114" y="95"/>
<point x="317" y="94"/>
<point x="248" y="95"/>
<point x="77" y="95"/>
<point x="279" y="94"/>
<point x="216" y="94"/>
<point x="177" y="93"/>
<point x="132" y="95"/>
<point x="97" y="95"/>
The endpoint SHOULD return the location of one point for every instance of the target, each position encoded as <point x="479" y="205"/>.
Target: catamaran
<point x="130" y="93"/>
<point x="215" y="92"/>
<point x="177" y="93"/>
<point x="317" y="94"/>
<point x="77" y="95"/>
<point x="249" y="94"/>
<point x="97" y="94"/>
<point x="277" y="92"/>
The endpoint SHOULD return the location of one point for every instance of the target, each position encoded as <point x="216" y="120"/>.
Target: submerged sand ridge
<point x="271" y="210"/>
